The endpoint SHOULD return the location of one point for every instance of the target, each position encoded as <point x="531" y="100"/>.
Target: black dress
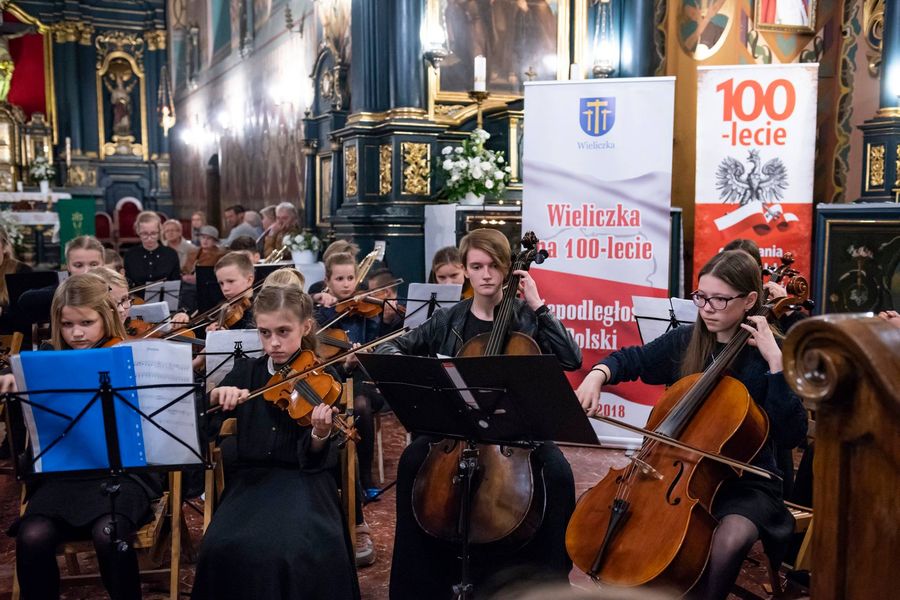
<point x="759" y="500"/>
<point x="426" y="567"/>
<point x="77" y="501"/>
<point x="279" y="531"/>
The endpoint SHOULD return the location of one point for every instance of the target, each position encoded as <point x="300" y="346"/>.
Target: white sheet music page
<point x="158" y="362"/>
<point x="219" y="344"/>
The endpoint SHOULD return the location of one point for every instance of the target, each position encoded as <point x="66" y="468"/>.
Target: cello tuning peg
<point x="541" y="256"/>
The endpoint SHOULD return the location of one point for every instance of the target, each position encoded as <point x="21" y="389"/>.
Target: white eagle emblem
<point x="763" y="183"/>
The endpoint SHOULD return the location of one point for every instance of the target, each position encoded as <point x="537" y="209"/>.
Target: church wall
<point x="243" y="111"/>
<point x="847" y="93"/>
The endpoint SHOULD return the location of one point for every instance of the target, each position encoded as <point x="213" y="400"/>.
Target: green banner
<point x="76" y="217"/>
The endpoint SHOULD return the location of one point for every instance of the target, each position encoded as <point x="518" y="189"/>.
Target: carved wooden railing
<point x="847" y="369"/>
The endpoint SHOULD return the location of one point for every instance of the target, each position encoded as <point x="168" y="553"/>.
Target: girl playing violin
<point x="447" y="268"/>
<point x="340" y="280"/>
<point x="118" y="291"/>
<point x="279" y="531"/>
<point x="425" y="567"/>
<point x="70" y="508"/>
<point x="750" y="507"/>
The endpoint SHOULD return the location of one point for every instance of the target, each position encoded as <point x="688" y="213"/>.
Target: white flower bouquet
<point x="41" y="169"/>
<point x="471" y="168"/>
<point x="12" y="228"/>
<point x="302" y="241"/>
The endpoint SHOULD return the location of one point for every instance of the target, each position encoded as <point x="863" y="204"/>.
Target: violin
<point x="367" y="304"/>
<point x="332" y="341"/>
<point x="508" y="504"/>
<point x="231" y="314"/>
<point x="138" y="329"/>
<point x="650" y="523"/>
<point x="298" y="396"/>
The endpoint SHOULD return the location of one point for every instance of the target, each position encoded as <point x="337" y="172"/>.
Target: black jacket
<point x="442" y="334"/>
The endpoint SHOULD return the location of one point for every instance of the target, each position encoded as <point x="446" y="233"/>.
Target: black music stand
<point x="209" y="293"/>
<point x="107" y="396"/>
<point x="480" y="400"/>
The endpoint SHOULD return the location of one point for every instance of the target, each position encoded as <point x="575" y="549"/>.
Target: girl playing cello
<point x="423" y="566"/>
<point x="749" y="507"/>
<point x="278" y="532"/>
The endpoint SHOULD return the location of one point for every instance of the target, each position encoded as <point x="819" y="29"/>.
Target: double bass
<point x="507" y="505"/>
<point x="651" y="523"/>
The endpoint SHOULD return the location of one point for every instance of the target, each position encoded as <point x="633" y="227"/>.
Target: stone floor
<point x="588" y="466"/>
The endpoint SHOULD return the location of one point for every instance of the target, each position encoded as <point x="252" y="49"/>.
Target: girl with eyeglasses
<point x="748" y="507"/>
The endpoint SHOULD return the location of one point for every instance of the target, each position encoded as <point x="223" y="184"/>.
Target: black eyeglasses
<point x="716" y="302"/>
<point x="125" y="303"/>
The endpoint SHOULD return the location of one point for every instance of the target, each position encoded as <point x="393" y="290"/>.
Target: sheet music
<point x="685" y="310"/>
<point x="223" y="341"/>
<point x="84" y="446"/>
<point x="152" y="312"/>
<point x="158" y="362"/>
<point x="419" y="294"/>
<point x="652" y="316"/>
<point x="164" y="291"/>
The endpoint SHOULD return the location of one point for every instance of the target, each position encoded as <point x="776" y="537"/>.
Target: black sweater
<point x="659" y="363"/>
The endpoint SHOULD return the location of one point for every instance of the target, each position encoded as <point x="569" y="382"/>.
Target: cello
<point x="507" y="504"/>
<point x="651" y="523"/>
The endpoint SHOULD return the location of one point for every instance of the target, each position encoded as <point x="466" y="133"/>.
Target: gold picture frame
<point x="438" y="91"/>
<point x="323" y="189"/>
<point x="798" y="16"/>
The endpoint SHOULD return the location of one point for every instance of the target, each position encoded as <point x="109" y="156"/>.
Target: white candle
<point x="575" y="72"/>
<point x="480" y="74"/>
<point x="20" y="187"/>
<point x="68" y="151"/>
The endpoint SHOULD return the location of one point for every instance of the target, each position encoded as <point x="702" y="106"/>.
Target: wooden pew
<point x="847" y="369"/>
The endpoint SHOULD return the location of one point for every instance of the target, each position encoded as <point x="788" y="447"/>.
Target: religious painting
<point x="323" y="192"/>
<point x="703" y="26"/>
<point x="522" y="40"/>
<point x="121" y="95"/>
<point x="787" y="16"/>
<point x="858" y="262"/>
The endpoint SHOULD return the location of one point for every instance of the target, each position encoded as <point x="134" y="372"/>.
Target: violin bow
<point x="334" y="360"/>
<point x="681" y="445"/>
<point x="141" y="288"/>
<point x="360" y="297"/>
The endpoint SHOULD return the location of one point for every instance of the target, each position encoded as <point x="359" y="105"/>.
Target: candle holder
<point x="479" y="98"/>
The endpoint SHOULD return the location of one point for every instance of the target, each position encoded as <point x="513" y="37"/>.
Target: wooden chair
<point x="167" y="529"/>
<point x="214" y="484"/>
<point x="104" y="230"/>
<point x="847" y="369"/>
<point x="126" y="213"/>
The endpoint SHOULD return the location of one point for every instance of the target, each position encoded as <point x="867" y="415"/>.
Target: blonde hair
<point x="291" y="300"/>
<point x="338" y="259"/>
<point x="87" y="290"/>
<point x="9" y="264"/>
<point x="113" y="259"/>
<point x="110" y="276"/>
<point x="84" y="242"/>
<point x="177" y="225"/>
<point x="237" y="259"/>
<point x="147" y="216"/>
<point x="340" y="247"/>
<point x="490" y="241"/>
<point x="285" y="276"/>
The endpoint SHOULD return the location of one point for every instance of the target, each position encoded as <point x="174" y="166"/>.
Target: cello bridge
<point x="645" y="469"/>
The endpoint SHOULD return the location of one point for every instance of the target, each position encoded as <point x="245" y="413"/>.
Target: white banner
<point x="597" y="192"/>
<point x="756" y="136"/>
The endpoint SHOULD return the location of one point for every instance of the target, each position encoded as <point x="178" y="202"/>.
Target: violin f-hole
<point x="669" y="499"/>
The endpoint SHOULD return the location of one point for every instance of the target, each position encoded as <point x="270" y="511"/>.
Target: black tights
<point x="38" y="573"/>
<point x="731" y="542"/>
<point x="365" y="450"/>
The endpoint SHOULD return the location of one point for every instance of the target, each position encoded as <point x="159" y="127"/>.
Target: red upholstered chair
<point x="162" y="217"/>
<point x="187" y="231"/>
<point x="127" y="210"/>
<point x="103" y="229"/>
